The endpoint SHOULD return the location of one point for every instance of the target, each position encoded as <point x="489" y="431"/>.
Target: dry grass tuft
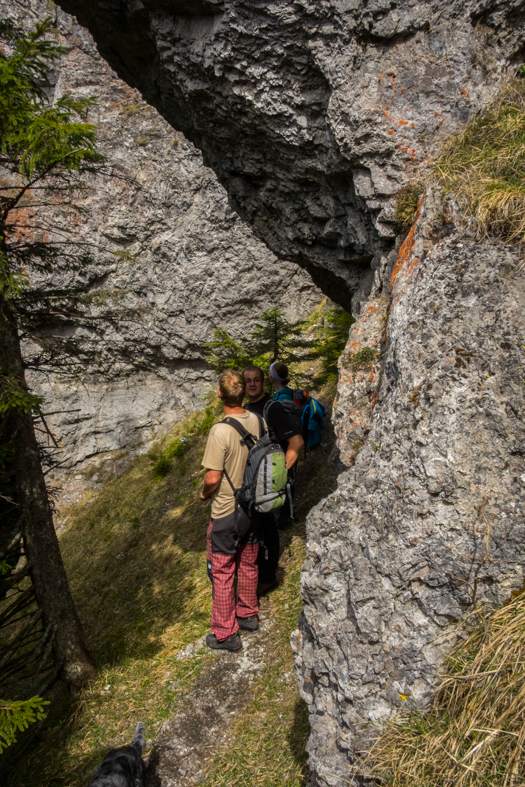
<point x="474" y="732"/>
<point x="484" y="166"/>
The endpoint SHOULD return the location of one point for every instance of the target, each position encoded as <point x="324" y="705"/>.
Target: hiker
<point x="285" y="432"/>
<point x="278" y="377"/>
<point x="225" y="458"/>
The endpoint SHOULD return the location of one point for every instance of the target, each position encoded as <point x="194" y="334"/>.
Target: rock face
<point x="171" y="257"/>
<point x="430" y="517"/>
<point x="313" y="114"/>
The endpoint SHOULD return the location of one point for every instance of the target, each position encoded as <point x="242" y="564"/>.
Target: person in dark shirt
<point x="281" y="429"/>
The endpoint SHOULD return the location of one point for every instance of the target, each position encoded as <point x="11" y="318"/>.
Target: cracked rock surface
<point x="313" y="113"/>
<point x="430" y="516"/>
<point x="170" y="249"/>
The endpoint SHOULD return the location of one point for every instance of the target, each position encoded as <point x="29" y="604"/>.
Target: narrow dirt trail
<point x="201" y="724"/>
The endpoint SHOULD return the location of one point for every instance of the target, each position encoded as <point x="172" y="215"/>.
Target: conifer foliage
<point x="16" y="717"/>
<point x="274" y="338"/>
<point x="46" y="148"/>
<point x="333" y="336"/>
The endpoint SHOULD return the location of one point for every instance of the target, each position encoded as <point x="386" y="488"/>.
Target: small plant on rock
<point x="364" y="359"/>
<point x="406" y="206"/>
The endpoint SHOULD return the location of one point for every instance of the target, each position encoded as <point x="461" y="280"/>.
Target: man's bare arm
<point x="295" y="444"/>
<point x="212" y="479"/>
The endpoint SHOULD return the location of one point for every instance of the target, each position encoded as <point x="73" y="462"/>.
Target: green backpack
<point x="265" y="476"/>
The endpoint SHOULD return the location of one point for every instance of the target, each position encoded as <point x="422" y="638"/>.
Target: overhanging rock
<point x="312" y="113"/>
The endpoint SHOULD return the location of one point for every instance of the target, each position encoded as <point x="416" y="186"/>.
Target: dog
<point x="123" y="767"/>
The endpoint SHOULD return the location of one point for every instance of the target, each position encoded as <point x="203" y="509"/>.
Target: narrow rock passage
<point x="201" y="726"/>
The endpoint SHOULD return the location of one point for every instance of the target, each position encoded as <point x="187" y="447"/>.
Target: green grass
<point x="484" y="165"/>
<point x="406" y="205"/>
<point x="135" y="558"/>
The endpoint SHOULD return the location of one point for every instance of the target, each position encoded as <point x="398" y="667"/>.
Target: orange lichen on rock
<point x="405" y="252"/>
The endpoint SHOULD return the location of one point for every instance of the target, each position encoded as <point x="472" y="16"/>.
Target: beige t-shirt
<point x="225" y="452"/>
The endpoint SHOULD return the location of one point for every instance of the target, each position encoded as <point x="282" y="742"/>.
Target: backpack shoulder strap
<point x="267" y="407"/>
<point x="240" y="429"/>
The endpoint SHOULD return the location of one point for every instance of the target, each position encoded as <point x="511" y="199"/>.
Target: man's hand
<point x="295" y="444"/>
<point x="212" y="479"/>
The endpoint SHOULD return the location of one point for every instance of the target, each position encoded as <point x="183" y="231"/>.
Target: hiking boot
<point x="248" y="624"/>
<point x="232" y="643"/>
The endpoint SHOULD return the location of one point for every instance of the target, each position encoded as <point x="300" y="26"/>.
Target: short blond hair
<point x="232" y="386"/>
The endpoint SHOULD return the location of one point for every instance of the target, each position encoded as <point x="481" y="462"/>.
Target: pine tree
<point x="273" y="338"/>
<point x="224" y="352"/>
<point x="45" y="150"/>
<point x="277" y="339"/>
<point x="332" y="338"/>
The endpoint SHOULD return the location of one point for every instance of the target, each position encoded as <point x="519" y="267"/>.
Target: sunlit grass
<point x="135" y="557"/>
<point x="484" y="165"/>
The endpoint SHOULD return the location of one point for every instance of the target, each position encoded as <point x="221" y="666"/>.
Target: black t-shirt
<point x="278" y="420"/>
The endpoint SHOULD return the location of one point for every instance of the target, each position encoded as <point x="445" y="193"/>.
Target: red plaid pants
<point x="224" y="564"/>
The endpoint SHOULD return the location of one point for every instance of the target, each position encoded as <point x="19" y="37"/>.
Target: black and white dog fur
<point x="123" y="767"/>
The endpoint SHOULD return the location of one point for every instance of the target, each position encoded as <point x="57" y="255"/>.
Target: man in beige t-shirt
<point x="225" y="458"/>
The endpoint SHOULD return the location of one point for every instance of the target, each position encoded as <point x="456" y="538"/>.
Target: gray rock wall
<point x="430" y="516"/>
<point x="313" y="112"/>
<point x="170" y="248"/>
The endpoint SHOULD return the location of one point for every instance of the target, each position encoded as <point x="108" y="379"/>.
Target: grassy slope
<point x="135" y="556"/>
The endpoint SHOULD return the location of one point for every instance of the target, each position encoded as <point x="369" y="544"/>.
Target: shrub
<point x="162" y="467"/>
<point x="406" y="206"/>
<point x="333" y="336"/>
<point x="364" y="359"/>
<point x="17" y="716"/>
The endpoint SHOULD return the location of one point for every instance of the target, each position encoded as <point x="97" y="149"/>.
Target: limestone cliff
<point x="313" y="114"/>
<point x="430" y="517"/>
<point x="169" y="250"/>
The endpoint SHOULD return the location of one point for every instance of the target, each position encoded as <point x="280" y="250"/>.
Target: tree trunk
<point x="36" y="521"/>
